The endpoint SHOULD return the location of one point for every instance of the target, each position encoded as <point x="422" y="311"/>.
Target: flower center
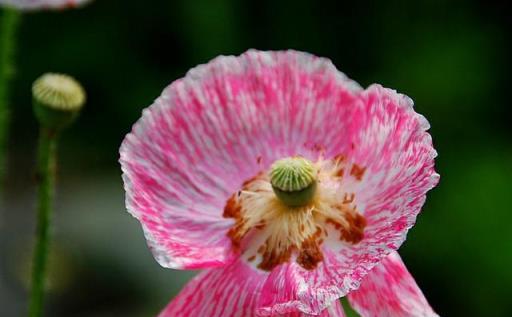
<point x="293" y="180"/>
<point x="291" y="211"/>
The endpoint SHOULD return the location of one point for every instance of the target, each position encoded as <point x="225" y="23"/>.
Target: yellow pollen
<point x="268" y="231"/>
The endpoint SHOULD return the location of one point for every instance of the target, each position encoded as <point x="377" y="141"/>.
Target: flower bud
<point x="58" y="99"/>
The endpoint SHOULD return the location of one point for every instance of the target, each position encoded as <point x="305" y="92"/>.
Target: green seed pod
<point x="58" y="99"/>
<point x="293" y="180"/>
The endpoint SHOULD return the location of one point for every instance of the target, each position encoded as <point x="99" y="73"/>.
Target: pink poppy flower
<point x="289" y="183"/>
<point x="43" y="4"/>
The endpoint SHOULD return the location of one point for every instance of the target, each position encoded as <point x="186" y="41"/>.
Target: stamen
<point x="310" y="254"/>
<point x="357" y="171"/>
<point x="284" y="215"/>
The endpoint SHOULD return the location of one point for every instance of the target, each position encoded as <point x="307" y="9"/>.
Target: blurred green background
<point x="451" y="57"/>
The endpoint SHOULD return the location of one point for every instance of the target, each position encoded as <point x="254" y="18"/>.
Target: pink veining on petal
<point x="391" y="143"/>
<point x="389" y="290"/>
<point x="228" y="120"/>
<point x="232" y="291"/>
<point x="219" y="126"/>
<point x="43" y="4"/>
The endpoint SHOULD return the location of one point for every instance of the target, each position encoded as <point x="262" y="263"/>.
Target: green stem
<point x="46" y="163"/>
<point x="8" y="25"/>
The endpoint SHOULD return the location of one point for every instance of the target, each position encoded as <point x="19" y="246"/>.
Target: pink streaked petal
<point x="230" y="119"/>
<point x="391" y="142"/>
<point x="232" y="291"/>
<point x="291" y="288"/>
<point x="287" y="290"/>
<point x="389" y="290"/>
<point x="43" y="4"/>
<point x="214" y="129"/>
<point x="334" y="310"/>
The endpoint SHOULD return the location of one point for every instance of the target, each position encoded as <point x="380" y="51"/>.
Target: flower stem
<point x="46" y="163"/>
<point x="8" y="25"/>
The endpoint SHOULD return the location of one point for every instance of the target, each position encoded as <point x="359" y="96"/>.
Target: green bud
<point x="58" y="99"/>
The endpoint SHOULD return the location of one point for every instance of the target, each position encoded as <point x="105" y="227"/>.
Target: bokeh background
<point x="451" y="57"/>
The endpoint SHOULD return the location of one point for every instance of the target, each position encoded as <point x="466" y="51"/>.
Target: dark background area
<point x="451" y="57"/>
